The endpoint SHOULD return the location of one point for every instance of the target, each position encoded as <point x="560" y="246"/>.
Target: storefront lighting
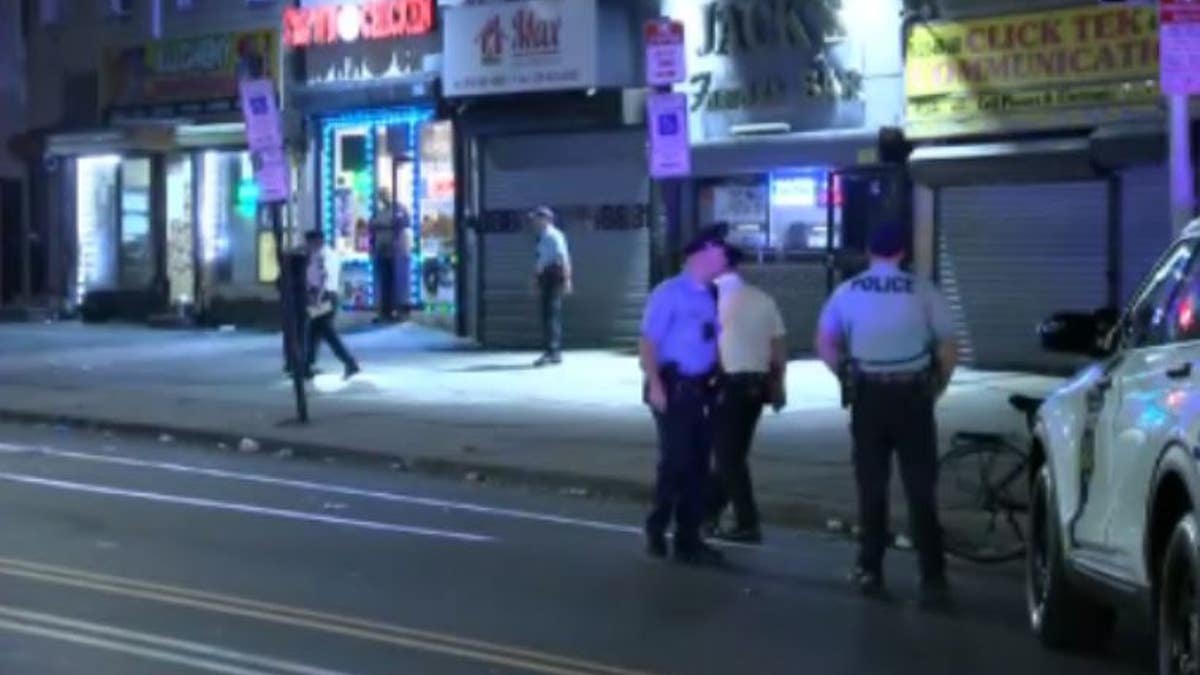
<point x="210" y="165"/>
<point x="795" y="189"/>
<point x="89" y="171"/>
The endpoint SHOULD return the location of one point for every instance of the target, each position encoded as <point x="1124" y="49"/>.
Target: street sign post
<point x="1179" y="46"/>
<point x="670" y="145"/>
<point x="665" y="61"/>
<point x="272" y="173"/>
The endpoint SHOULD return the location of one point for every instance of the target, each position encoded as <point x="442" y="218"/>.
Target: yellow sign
<point x="1028" y="69"/>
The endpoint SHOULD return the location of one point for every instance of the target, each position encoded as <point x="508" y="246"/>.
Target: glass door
<point x="181" y="244"/>
<point x="135" y="254"/>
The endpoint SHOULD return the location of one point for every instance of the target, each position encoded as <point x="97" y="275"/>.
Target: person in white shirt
<point x="754" y="361"/>
<point x="323" y="277"/>
<point x="552" y="275"/>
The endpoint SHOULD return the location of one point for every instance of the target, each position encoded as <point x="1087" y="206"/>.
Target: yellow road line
<point x="365" y="629"/>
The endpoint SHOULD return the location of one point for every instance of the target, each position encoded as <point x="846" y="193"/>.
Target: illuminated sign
<point x="373" y="20"/>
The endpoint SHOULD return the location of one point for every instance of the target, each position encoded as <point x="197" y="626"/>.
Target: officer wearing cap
<point x="679" y="360"/>
<point x="552" y="277"/>
<point x="889" y="336"/>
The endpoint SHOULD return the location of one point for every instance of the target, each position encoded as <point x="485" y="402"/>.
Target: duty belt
<point x="900" y="377"/>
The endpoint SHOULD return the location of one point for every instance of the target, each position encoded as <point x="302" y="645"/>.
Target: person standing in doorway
<point x="385" y="235"/>
<point x="889" y="337"/>
<point x="323" y="276"/>
<point x="678" y="353"/>
<point x="552" y="277"/>
<point x="753" y="363"/>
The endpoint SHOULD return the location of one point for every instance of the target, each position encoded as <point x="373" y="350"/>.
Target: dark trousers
<point x="897" y="416"/>
<point x="385" y="285"/>
<point x="738" y="410"/>
<point x="684" y="447"/>
<point x="324" y="328"/>
<point x="551" y="287"/>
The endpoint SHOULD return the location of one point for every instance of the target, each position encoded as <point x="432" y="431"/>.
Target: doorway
<point x="12" y="265"/>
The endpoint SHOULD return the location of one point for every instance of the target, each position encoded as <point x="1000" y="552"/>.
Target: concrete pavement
<point x="122" y="555"/>
<point x="430" y="402"/>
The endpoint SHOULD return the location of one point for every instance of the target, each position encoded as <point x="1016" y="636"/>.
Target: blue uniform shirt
<point x="888" y="319"/>
<point x="681" y="322"/>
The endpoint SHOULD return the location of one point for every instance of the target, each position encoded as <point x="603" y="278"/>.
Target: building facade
<point x="147" y="195"/>
<point x="15" y="250"/>
<point x="1040" y="163"/>
<point x="795" y="141"/>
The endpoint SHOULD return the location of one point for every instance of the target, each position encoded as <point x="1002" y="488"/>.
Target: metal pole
<point x="1183" y="181"/>
<point x="288" y="310"/>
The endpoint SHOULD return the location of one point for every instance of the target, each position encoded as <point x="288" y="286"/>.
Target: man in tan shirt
<point x="754" y="360"/>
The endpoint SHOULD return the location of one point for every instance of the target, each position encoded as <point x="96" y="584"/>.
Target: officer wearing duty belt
<point x="888" y="336"/>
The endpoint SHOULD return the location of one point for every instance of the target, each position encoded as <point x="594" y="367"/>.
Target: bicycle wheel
<point x="982" y="492"/>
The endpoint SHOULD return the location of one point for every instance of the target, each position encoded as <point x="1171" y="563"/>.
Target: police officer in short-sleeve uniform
<point x="680" y="362"/>
<point x="889" y="336"/>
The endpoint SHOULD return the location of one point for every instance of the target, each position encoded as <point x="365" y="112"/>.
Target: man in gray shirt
<point x="552" y="276"/>
<point x="889" y="336"/>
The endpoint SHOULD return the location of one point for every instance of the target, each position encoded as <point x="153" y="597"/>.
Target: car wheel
<point x="1178" y="606"/>
<point x="1061" y="616"/>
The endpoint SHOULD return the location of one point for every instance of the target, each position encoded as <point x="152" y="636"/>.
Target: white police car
<point x="1115" y="470"/>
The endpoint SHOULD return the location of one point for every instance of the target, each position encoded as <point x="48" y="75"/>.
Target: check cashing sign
<point x="1071" y="67"/>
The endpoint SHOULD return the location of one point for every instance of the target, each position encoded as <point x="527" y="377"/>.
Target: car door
<point x="1124" y="398"/>
<point x="1156" y="390"/>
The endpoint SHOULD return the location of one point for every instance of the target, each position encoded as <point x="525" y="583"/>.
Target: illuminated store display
<point x="95" y="206"/>
<point x="369" y="159"/>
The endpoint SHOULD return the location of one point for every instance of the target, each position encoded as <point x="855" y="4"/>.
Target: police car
<point x="1115" y="470"/>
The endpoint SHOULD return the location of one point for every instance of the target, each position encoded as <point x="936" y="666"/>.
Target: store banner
<point x="191" y="76"/>
<point x="1035" y="70"/>
<point x="525" y="45"/>
<point x="670" y="144"/>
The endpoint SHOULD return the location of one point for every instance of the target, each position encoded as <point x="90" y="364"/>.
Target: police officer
<point x="889" y="336"/>
<point x="679" y="360"/>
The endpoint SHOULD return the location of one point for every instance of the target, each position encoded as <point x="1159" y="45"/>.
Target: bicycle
<point x="983" y="492"/>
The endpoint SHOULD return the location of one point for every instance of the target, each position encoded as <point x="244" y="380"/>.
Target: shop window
<point x="229" y="217"/>
<point x="136" y="253"/>
<point x="390" y="166"/>
<point x="96" y="222"/>
<point x="786" y="212"/>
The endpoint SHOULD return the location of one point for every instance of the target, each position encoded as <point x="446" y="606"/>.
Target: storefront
<point x="544" y="120"/>
<point x="366" y="82"/>
<point x="160" y="209"/>
<point x="799" y="161"/>
<point x="1041" y="167"/>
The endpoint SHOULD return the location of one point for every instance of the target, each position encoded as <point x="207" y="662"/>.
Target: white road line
<point x="262" y="479"/>
<point x="243" y="508"/>
<point x="132" y="650"/>
<point x="138" y="639"/>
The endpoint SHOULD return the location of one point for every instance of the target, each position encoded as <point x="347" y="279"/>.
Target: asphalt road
<point x="128" y="556"/>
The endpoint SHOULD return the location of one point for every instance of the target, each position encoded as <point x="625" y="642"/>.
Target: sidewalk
<point x="429" y="402"/>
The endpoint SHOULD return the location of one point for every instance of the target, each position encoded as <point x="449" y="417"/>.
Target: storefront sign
<point x="373" y="20"/>
<point x="670" y="147"/>
<point x="1030" y="70"/>
<point x="525" y="45"/>
<point x="192" y="76"/>
<point x="736" y="204"/>
<point x="799" y="63"/>
<point x="665" y="61"/>
<point x="1180" y="55"/>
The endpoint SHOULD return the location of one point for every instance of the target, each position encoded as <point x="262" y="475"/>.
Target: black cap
<point x="713" y="235"/>
<point x="734" y="256"/>
<point x="888" y="240"/>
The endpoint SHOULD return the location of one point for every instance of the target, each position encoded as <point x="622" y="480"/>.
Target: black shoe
<point x="869" y="584"/>
<point x="656" y="545"/>
<point x="545" y="360"/>
<point x="351" y="371"/>
<point x="698" y="553"/>
<point x="739" y="535"/>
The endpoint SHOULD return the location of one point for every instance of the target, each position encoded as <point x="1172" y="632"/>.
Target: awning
<point x="756" y="154"/>
<point x="153" y="137"/>
<point x="332" y="97"/>
<point x="1116" y="146"/>
<point x="1033" y="161"/>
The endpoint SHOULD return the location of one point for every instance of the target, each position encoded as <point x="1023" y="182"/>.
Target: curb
<point x="787" y="514"/>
